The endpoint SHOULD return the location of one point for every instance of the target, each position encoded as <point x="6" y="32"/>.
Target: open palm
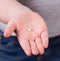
<point x="31" y="32"/>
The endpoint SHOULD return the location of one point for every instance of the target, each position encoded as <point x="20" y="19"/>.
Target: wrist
<point x="5" y="8"/>
<point x="11" y="10"/>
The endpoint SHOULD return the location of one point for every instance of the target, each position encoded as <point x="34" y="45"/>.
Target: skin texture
<point x="19" y="20"/>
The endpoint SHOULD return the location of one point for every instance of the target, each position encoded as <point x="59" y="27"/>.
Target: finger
<point x="39" y="45"/>
<point x="25" y="45"/>
<point x="44" y="37"/>
<point x="34" y="48"/>
<point x="9" y="29"/>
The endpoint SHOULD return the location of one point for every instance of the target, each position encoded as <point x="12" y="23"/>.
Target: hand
<point x="30" y="30"/>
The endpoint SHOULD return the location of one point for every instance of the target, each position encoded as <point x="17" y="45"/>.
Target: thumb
<point x="9" y="29"/>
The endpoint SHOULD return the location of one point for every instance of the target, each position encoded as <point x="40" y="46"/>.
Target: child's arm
<point x="7" y="8"/>
<point x="30" y="28"/>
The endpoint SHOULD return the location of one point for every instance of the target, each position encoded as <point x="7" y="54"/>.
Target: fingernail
<point x="35" y="53"/>
<point x="41" y="53"/>
<point x="28" y="53"/>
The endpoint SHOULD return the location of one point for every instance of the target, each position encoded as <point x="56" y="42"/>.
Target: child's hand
<point x="30" y="29"/>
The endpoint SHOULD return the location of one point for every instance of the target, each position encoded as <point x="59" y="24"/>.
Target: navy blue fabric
<point x="52" y="53"/>
<point x="10" y="50"/>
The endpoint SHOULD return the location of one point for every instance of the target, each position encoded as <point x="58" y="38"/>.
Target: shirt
<point x="49" y="10"/>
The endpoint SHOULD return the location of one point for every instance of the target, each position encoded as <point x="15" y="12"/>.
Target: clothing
<point x="49" y="10"/>
<point x="53" y="51"/>
<point x="10" y="50"/>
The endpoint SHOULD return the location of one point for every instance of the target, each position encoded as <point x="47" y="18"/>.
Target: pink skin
<point x="21" y="19"/>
